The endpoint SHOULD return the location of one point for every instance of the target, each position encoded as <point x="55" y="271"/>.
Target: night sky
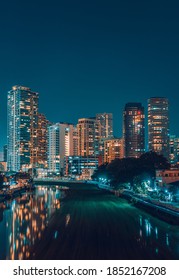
<point x="87" y="57"/>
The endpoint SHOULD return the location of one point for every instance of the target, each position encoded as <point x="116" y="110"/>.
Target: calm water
<point x="23" y="220"/>
<point x="87" y="224"/>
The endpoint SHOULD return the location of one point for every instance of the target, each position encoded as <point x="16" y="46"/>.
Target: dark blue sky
<point x="85" y="57"/>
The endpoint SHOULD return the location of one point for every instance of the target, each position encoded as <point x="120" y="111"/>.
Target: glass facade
<point x="22" y="122"/>
<point x="74" y="165"/>
<point x="158" y="125"/>
<point x="134" y="130"/>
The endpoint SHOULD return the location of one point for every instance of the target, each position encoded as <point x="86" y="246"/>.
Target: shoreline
<point x="159" y="211"/>
<point x="16" y="193"/>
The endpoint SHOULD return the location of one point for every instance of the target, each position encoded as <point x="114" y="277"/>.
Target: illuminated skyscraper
<point x="43" y="123"/>
<point x="22" y="128"/>
<point x="75" y="141"/>
<point x="60" y="144"/>
<point x="134" y="130"/>
<point x="106" y="125"/>
<point x="174" y="149"/>
<point x="113" y="148"/>
<point x="88" y="137"/>
<point x="158" y="125"/>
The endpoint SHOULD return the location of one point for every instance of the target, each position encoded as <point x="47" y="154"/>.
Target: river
<point x="84" y="223"/>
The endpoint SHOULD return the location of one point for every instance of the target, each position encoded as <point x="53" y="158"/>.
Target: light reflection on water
<point x="23" y="220"/>
<point x="149" y="233"/>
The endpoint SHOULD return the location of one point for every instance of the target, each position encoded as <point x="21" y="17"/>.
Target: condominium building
<point x="42" y="135"/>
<point x="75" y="140"/>
<point x="22" y="128"/>
<point x="88" y="137"/>
<point x="60" y="144"/>
<point x="134" y="130"/>
<point x="174" y="149"/>
<point x="158" y="125"/>
<point x="106" y="125"/>
<point x="113" y="149"/>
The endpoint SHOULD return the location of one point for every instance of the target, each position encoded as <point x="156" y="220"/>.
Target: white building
<point x="60" y="144"/>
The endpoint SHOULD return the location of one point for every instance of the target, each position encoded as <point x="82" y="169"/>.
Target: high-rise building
<point x="75" y="141"/>
<point x="106" y="125"/>
<point x="174" y="149"/>
<point x="5" y="153"/>
<point x="158" y="125"/>
<point x="60" y="144"/>
<point x="113" y="149"/>
<point x="42" y="134"/>
<point x="22" y="128"/>
<point x="88" y="137"/>
<point x="134" y="130"/>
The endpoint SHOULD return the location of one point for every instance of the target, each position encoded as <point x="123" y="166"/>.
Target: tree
<point x="100" y="172"/>
<point x="123" y="170"/>
<point x="130" y="170"/>
<point x="152" y="161"/>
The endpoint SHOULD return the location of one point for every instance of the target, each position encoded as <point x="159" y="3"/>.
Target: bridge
<point x="72" y="184"/>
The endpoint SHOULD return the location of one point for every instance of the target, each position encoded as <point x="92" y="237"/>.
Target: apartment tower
<point x="158" y="125"/>
<point x="134" y="130"/>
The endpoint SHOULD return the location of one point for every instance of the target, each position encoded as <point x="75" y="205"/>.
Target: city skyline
<point x="89" y="146"/>
<point x="116" y="135"/>
<point x="90" y="58"/>
<point x="36" y="143"/>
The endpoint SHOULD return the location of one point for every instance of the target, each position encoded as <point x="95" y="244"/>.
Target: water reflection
<point x="150" y="234"/>
<point x="68" y="217"/>
<point x="23" y="220"/>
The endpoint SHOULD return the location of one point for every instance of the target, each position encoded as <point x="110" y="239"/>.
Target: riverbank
<point x="15" y="192"/>
<point x="161" y="210"/>
<point x="164" y="211"/>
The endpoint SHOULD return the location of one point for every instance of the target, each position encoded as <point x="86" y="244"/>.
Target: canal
<point x="82" y="223"/>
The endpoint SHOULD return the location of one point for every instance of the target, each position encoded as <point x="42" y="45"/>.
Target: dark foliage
<point x="125" y="170"/>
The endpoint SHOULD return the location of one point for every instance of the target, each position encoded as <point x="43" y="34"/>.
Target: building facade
<point x="158" y="125"/>
<point x="88" y="137"/>
<point x="75" y="140"/>
<point x="174" y="149"/>
<point x="22" y="128"/>
<point x="134" y="130"/>
<point x="106" y="125"/>
<point x="113" y="149"/>
<point x="42" y="135"/>
<point x="164" y="177"/>
<point x="80" y="166"/>
<point x="60" y="144"/>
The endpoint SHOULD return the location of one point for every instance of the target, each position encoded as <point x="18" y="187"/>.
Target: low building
<point x="75" y="166"/>
<point x="164" y="177"/>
